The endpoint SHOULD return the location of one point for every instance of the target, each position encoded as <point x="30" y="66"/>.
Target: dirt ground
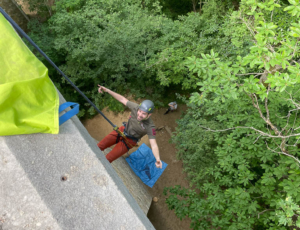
<point x="161" y="217"/>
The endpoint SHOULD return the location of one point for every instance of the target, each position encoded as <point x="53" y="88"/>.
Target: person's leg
<point x="120" y="147"/>
<point x="167" y="110"/>
<point x="116" y="152"/>
<point x="119" y="150"/>
<point x="109" y="140"/>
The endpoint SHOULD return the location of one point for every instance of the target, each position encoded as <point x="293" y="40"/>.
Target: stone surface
<point x="34" y="196"/>
<point x="132" y="182"/>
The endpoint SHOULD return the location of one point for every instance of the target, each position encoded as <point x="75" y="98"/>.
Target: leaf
<point x="293" y="2"/>
<point x="289" y="8"/>
<point x="282" y="89"/>
<point x="216" y="100"/>
<point x="261" y="5"/>
<point x="283" y="65"/>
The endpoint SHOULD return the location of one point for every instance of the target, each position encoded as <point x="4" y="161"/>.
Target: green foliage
<point x="194" y="146"/>
<point x="238" y="140"/>
<point x="242" y="181"/>
<point x="108" y="43"/>
<point x="176" y="8"/>
<point x="40" y="34"/>
<point x="42" y="9"/>
<point x="287" y="209"/>
<point x="246" y="117"/>
<point x="199" y="33"/>
<point x="129" y="47"/>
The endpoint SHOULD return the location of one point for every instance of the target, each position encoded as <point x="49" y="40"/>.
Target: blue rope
<point x="17" y="28"/>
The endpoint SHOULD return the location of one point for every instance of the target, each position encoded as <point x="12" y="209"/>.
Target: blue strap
<point x="70" y="113"/>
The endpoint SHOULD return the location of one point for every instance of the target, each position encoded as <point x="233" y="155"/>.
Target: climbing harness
<point x="125" y="138"/>
<point x="23" y="34"/>
<point x="127" y="135"/>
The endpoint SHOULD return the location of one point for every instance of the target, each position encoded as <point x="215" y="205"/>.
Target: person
<point x="138" y="125"/>
<point x="172" y="107"/>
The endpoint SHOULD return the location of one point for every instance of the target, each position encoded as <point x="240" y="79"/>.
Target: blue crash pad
<point x="142" y="162"/>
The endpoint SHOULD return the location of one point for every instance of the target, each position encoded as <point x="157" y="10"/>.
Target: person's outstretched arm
<point x="155" y="151"/>
<point x="117" y="96"/>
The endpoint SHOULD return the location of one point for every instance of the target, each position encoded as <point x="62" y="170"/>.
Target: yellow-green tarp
<point x="28" y="99"/>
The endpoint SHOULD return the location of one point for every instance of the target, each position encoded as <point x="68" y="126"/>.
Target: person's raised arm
<point x="155" y="151"/>
<point x="117" y="96"/>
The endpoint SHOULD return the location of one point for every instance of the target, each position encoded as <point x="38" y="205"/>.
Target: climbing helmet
<point x="147" y="106"/>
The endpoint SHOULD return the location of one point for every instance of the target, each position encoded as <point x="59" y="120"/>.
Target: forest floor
<point x="161" y="217"/>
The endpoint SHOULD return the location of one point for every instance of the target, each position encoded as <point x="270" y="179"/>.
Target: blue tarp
<point x="142" y="162"/>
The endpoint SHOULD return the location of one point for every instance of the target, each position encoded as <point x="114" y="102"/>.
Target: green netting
<point x="28" y="99"/>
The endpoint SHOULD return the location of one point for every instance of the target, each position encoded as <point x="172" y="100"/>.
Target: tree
<point x="114" y="43"/>
<point x="105" y="42"/>
<point x="199" y="33"/>
<point x="253" y="102"/>
<point x="129" y="46"/>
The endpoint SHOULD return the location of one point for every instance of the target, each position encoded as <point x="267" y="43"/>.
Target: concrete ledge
<point x="33" y="196"/>
<point x="132" y="182"/>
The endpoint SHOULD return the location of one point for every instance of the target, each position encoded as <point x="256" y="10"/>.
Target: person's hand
<point x="158" y="164"/>
<point x="102" y="89"/>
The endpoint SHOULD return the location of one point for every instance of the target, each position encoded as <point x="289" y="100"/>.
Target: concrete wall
<point x="132" y="182"/>
<point x="34" y="196"/>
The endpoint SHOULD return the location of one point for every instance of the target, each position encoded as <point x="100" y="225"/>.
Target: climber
<point x="138" y="125"/>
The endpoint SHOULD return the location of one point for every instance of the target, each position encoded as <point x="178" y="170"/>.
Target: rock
<point x="169" y="130"/>
<point x="155" y="199"/>
<point x="159" y="128"/>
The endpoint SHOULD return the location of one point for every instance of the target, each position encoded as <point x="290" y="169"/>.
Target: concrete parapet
<point x="132" y="183"/>
<point x="63" y="182"/>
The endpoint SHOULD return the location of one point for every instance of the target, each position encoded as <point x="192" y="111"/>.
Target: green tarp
<point x="28" y="99"/>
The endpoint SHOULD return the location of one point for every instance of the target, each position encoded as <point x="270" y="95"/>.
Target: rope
<point x="20" y="31"/>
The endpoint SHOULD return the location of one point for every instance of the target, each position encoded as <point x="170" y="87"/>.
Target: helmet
<point x="147" y="106"/>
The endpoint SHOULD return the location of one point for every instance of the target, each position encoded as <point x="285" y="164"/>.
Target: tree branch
<point x="257" y="139"/>
<point x="249" y="74"/>
<point x="284" y="153"/>
<point x="266" y="103"/>
<point x="245" y="127"/>
<point x="263" y="212"/>
<point x="256" y="105"/>
<point x="251" y="31"/>
<point x="295" y="47"/>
